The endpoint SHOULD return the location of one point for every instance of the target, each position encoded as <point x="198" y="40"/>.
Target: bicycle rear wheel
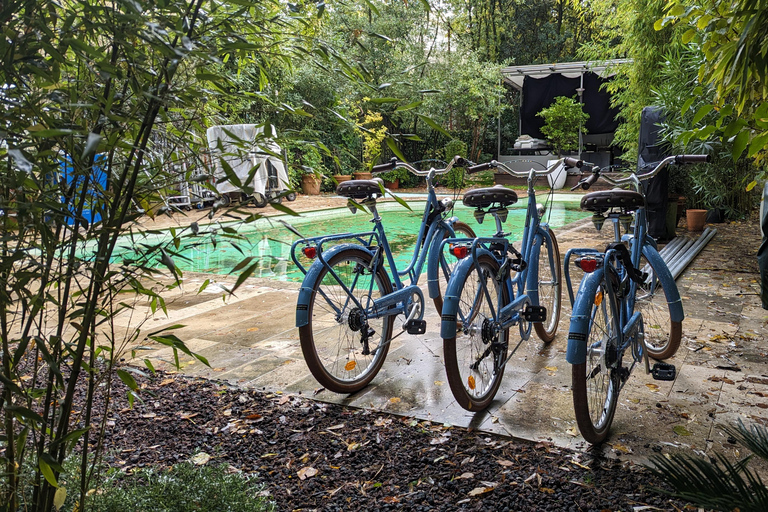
<point x="662" y="335"/>
<point x="595" y="383"/>
<point x="342" y="347"/>
<point x="448" y="262"/>
<point x="550" y="288"/>
<point x="475" y="355"/>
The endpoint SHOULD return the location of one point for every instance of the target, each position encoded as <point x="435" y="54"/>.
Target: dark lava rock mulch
<point x="316" y="456"/>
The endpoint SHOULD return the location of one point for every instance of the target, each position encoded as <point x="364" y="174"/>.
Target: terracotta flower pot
<point x="696" y="219"/>
<point x="310" y="185"/>
<point x="393" y="185"/>
<point x="342" y="177"/>
<point x="363" y="175"/>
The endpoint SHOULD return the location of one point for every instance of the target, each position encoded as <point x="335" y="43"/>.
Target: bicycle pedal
<point x="416" y="327"/>
<point x="535" y="313"/>
<point x="664" y="371"/>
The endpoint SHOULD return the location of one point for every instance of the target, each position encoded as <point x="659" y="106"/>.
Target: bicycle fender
<point x="305" y="292"/>
<point x="576" y="351"/>
<point x="671" y="292"/>
<point x="452" y="293"/>
<point x="433" y="262"/>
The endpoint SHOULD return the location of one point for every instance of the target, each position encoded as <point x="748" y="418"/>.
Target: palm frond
<point x="718" y="483"/>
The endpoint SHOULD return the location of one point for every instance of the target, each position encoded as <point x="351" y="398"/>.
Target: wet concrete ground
<point x="722" y="367"/>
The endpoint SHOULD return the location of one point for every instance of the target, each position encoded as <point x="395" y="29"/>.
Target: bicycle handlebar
<point x="692" y="159"/>
<point x="635" y="178"/>
<point x="493" y="164"/>
<point x="394" y="163"/>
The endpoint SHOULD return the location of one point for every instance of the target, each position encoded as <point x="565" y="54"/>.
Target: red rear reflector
<point x="587" y="264"/>
<point x="460" y="251"/>
<point x="310" y="252"/>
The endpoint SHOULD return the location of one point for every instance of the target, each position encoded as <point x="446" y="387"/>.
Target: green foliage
<point x="719" y="483"/>
<point x="722" y="183"/>
<point x="182" y="488"/>
<point x="124" y="89"/>
<point x="733" y="39"/>
<point x="455" y="177"/>
<point x="562" y="122"/>
<point x="625" y="29"/>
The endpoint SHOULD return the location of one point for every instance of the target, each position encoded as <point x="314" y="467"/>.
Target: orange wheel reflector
<point x="350" y="366"/>
<point x="471" y="382"/>
<point x="598" y="298"/>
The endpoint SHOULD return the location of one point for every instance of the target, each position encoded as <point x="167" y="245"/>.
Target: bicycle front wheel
<point x="595" y="383"/>
<point x="550" y="288"/>
<point x="448" y="262"/>
<point x="662" y="335"/>
<point x="343" y="348"/>
<point x="475" y="356"/>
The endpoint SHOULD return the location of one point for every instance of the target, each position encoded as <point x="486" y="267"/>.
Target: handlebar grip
<point x="573" y="162"/>
<point x="692" y="159"/>
<point x="589" y="181"/>
<point x="385" y="167"/>
<point x="479" y="167"/>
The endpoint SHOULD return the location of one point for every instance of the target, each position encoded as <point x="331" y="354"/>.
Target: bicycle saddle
<point x="484" y="197"/>
<point x="359" y="189"/>
<point x="603" y="200"/>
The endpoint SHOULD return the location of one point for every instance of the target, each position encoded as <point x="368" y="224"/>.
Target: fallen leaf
<point x="506" y="463"/>
<point x="336" y="427"/>
<point x="551" y="368"/>
<point x="353" y="446"/>
<point x="571" y="432"/>
<point x="466" y="476"/>
<point x="394" y="400"/>
<point x="681" y="430"/>
<point x="652" y="387"/>
<point x="306" y="472"/>
<point x="390" y="499"/>
<point x="477" y="491"/>
<point x="438" y="383"/>
<point x="620" y="448"/>
<point x="253" y="417"/>
<point x="547" y="490"/>
<point x="252" y="329"/>
<point x="200" y="459"/>
<point x="167" y="381"/>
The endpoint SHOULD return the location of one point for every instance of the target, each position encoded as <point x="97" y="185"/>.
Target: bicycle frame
<point x="522" y="288"/>
<point x="640" y="244"/>
<point x="431" y="231"/>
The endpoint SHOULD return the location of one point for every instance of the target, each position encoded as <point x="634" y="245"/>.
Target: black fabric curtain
<point x="650" y="153"/>
<point x="539" y="93"/>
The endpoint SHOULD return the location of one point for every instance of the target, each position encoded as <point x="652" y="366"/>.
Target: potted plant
<point x="392" y="178"/>
<point x="310" y="182"/>
<point x="562" y="122"/>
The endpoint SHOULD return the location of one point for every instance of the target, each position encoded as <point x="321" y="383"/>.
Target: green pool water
<point x="270" y="242"/>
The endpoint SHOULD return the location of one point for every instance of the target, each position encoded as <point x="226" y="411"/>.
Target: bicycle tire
<point x="595" y="384"/>
<point x="475" y="388"/>
<point x="259" y="200"/>
<point x="462" y="230"/>
<point x="550" y="287"/>
<point x="331" y="342"/>
<point x="662" y="334"/>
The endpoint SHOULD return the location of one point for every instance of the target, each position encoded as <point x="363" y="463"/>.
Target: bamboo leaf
<point x="127" y="379"/>
<point x="47" y="472"/>
<point x="739" y="144"/>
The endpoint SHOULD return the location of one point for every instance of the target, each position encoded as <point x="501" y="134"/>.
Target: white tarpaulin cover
<point x="236" y="144"/>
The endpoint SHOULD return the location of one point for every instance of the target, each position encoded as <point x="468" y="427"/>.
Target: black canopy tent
<point x="541" y="84"/>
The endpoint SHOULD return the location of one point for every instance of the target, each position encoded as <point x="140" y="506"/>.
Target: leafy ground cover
<point x="315" y="456"/>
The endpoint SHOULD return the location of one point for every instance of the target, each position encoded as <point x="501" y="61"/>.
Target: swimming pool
<point x="215" y="251"/>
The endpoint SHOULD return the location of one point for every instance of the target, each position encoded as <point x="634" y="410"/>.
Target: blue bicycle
<point x="619" y="305"/>
<point x="353" y="290"/>
<point x="495" y="287"/>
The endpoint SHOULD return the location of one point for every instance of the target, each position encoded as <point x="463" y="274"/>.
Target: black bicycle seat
<point x="603" y="200"/>
<point x="359" y="189"/>
<point x="484" y="197"/>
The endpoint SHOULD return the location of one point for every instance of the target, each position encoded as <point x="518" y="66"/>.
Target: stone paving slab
<point x="251" y="341"/>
